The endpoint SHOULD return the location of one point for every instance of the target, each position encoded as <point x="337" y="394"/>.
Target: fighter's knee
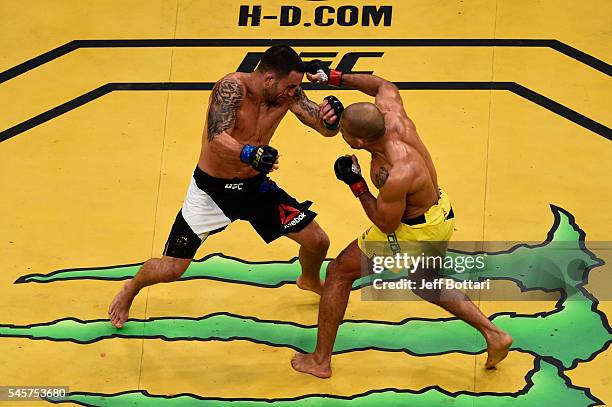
<point x="343" y="269"/>
<point x="323" y="241"/>
<point x="318" y="242"/>
<point x="172" y="269"/>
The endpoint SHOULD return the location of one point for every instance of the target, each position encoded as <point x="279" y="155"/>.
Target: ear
<point x="269" y="77"/>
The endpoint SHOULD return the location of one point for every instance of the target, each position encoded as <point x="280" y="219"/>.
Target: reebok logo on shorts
<point x="290" y="216"/>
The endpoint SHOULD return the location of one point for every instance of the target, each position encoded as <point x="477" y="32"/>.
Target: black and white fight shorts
<point x="213" y="203"/>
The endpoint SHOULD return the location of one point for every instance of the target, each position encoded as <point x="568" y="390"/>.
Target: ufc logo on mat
<point x="346" y="64"/>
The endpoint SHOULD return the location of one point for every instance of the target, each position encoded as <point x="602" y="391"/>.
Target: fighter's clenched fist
<point x="263" y="158"/>
<point x="330" y="111"/>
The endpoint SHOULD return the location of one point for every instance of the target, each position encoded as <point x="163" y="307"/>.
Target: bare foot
<point x="120" y="307"/>
<point x="305" y="284"/>
<point x="305" y="363"/>
<point x="498" y="346"/>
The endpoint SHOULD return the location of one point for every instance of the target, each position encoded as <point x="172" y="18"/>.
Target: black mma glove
<point x="262" y="158"/>
<point x="338" y="108"/>
<point x="328" y="76"/>
<point x="349" y="173"/>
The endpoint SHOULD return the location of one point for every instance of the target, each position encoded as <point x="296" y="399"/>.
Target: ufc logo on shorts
<point x="237" y="186"/>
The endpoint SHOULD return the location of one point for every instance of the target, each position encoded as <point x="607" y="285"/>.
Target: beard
<point x="271" y="95"/>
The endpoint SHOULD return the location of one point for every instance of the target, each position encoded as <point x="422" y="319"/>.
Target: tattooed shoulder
<point x="381" y="177"/>
<point x="227" y="95"/>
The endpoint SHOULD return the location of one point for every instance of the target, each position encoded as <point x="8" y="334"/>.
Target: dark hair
<point x="280" y="59"/>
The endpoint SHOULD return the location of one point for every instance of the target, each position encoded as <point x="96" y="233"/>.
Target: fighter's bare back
<point x="405" y="152"/>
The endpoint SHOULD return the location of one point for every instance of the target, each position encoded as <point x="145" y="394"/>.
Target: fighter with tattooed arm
<point x="410" y="207"/>
<point x="231" y="179"/>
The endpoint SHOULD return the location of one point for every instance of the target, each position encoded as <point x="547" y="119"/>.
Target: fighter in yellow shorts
<point x="436" y="224"/>
<point x="410" y="207"/>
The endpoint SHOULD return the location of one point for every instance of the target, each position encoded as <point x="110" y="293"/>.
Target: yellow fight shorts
<point x="435" y="225"/>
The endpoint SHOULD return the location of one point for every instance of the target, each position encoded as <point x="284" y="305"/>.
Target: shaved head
<point x="363" y="120"/>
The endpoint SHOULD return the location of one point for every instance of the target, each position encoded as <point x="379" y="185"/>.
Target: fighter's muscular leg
<point x="153" y="271"/>
<point x="313" y="249"/>
<point x="341" y="273"/>
<point x="460" y="305"/>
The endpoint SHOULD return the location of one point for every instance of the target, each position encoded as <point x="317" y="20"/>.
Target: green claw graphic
<point x="574" y="332"/>
<point x="546" y="385"/>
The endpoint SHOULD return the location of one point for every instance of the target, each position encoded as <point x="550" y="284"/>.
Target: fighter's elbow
<point x="390" y="86"/>
<point x="216" y="137"/>
<point x="388" y="227"/>
<point x="387" y="230"/>
<point x="215" y="143"/>
<point x="325" y="132"/>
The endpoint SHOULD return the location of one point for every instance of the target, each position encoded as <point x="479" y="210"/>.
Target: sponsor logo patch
<point x="237" y="186"/>
<point x="290" y="216"/>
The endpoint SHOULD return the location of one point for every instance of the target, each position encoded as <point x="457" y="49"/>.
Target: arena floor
<point x="99" y="138"/>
